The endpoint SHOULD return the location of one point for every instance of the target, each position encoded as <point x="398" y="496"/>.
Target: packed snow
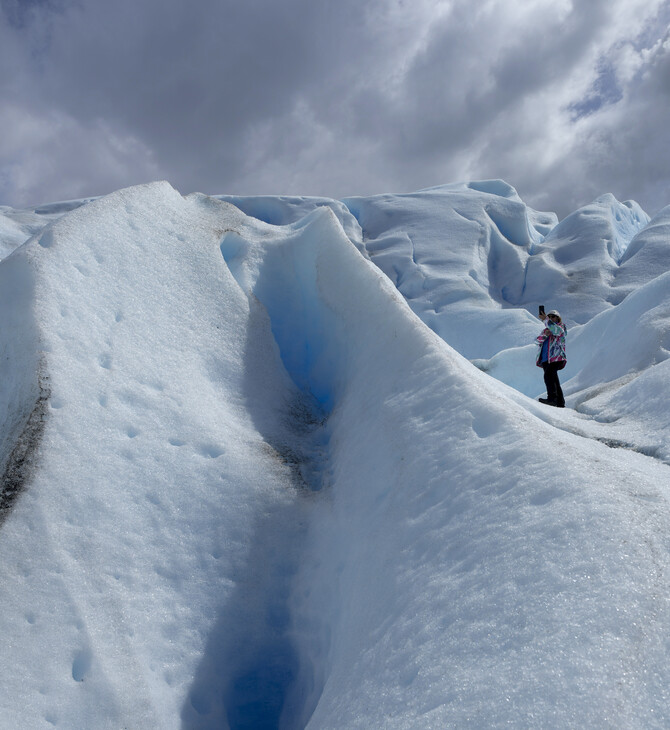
<point x="278" y="462"/>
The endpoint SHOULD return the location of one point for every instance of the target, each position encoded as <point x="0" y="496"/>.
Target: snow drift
<point x="263" y="485"/>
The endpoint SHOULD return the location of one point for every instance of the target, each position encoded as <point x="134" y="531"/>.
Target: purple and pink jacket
<point x="555" y="333"/>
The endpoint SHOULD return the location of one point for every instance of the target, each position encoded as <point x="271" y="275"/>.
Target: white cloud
<point x="337" y="98"/>
<point x="49" y="156"/>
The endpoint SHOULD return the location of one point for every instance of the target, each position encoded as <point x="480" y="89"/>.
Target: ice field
<point x="278" y="462"/>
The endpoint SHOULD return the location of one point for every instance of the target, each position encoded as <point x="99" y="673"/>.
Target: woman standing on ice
<point x="551" y="357"/>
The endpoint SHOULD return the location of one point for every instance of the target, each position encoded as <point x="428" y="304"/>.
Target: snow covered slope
<point x="252" y="479"/>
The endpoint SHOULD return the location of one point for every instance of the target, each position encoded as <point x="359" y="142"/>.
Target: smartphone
<point x="541" y="308"/>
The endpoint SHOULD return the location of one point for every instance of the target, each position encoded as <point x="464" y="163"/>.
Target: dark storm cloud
<point x="333" y="98"/>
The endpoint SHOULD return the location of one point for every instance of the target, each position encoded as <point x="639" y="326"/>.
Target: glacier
<point x="278" y="462"/>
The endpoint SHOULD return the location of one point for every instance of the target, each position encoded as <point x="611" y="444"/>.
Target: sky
<point x="565" y="100"/>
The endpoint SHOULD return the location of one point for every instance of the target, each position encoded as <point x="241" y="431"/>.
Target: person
<point x="551" y="357"/>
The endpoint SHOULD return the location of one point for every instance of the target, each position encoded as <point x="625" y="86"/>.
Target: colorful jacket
<point x="555" y="333"/>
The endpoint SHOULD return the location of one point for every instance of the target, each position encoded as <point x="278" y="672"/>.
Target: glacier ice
<point x="270" y="488"/>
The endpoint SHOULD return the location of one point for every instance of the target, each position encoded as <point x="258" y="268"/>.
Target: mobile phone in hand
<point x="541" y="309"/>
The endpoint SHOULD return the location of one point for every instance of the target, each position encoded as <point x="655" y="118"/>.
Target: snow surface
<point x="277" y="462"/>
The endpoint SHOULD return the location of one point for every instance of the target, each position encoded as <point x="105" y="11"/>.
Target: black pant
<point x="554" y="392"/>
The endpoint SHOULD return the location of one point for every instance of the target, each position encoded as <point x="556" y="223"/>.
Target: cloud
<point x="626" y="148"/>
<point x="323" y="98"/>
<point x="619" y="143"/>
<point x="51" y="156"/>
